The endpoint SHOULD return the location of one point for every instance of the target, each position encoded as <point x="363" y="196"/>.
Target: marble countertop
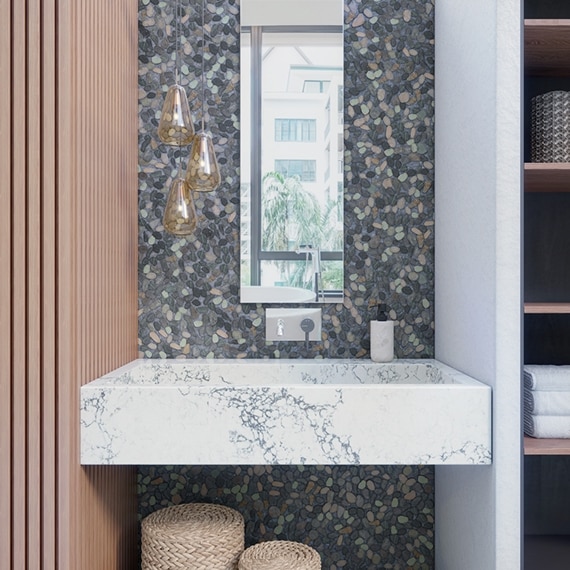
<point x="285" y="412"/>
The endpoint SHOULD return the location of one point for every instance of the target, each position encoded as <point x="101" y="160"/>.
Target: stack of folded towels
<point x="547" y="401"/>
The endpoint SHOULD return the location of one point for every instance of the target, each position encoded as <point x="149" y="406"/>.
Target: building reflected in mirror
<point x="292" y="132"/>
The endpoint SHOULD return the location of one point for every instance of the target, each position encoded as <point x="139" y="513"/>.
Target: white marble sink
<point x="285" y="412"/>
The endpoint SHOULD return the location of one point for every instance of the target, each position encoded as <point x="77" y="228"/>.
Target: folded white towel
<point x="546" y="377"/>
<point x="547" y="402"/>
<point x="547" y="426"/>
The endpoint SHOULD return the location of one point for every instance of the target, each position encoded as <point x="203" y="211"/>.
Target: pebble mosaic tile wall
<point x="356" y="518"/>
<point x="189" y="288"/>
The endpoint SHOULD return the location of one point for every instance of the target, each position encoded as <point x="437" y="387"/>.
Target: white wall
<point x="477" y="247"/>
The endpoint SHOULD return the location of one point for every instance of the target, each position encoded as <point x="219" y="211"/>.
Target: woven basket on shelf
<point x="550" y="127"/>
<point x="196" y="535"/>
<point x="280" y="555"/>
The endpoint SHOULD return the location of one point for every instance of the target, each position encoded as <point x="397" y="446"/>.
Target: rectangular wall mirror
<point x="292" y="132"/>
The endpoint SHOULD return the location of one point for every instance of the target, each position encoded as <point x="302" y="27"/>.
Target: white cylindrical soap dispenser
<point x="382" y="337"/>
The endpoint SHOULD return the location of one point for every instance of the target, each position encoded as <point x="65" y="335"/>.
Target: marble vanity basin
<point x="285" y="412"/>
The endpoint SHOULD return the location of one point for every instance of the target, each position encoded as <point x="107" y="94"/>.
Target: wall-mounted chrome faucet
<point x="293" y="324"/>
<point x="315" y="253"/>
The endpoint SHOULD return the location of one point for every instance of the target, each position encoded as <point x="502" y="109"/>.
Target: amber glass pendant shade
<point x="203" y="174"/>
<point x="180" y="213"/>
<point x="175" y="126"/>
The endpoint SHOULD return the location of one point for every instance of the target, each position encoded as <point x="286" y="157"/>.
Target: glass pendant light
<point x="203" y="173"/>
<point x="175" y="126"/>
<point x="180" y="212"/>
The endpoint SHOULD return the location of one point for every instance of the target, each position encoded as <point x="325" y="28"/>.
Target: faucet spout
<point x="315" y="253"/>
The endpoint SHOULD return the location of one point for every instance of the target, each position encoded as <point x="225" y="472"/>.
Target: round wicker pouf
<point x="280" y="555"/>
<point x="196" y="535"/>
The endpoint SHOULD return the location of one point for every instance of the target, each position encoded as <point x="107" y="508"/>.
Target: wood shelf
<point x="536" y="446"/>
<point x="546" y="308"/>
<point x="547" y="47"/>
<point x="547" y="177"/>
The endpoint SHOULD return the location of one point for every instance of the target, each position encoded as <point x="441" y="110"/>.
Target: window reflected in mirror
<point x="292" y="160"/>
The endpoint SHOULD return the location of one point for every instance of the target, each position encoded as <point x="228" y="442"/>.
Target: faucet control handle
<point x="288" y="324"/>
<point x="307" y="325"/>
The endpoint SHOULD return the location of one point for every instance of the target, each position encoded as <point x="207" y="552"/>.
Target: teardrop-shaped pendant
<point x="203" y="174"/>
<point x="175" y="126"/>
<point x="180" y="213"/>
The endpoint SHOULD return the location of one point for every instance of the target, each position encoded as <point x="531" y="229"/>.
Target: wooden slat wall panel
<point x="99" y="222"/>
<point x="5" y="292"/>
<point x="68" y="282"/>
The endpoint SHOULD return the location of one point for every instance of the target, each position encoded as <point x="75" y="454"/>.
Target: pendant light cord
<point x="177" y="24"/>
<point x="203" y="56"/>
<point x="177" y="63"/>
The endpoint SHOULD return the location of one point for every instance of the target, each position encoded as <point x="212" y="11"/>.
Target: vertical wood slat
<point x="33" y="282"/>
<point x="65" y="344"/>
<point x="5" y="292"/>
<point x="19" y="282"/>
<point x="48" y="287"/>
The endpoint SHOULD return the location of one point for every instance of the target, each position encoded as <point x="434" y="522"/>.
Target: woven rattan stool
<point x="196" y="535"/>
<point x="280" y="555"/>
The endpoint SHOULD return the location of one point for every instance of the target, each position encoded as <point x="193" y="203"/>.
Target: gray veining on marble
<point x="284" y="371"/>
<point x="285" y="412"/>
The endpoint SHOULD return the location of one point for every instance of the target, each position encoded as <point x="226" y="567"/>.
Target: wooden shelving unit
<point x="535" y="446"/>
<point x="546" y="308"/>
<point x="547" y="273"/>
<point x="547" y="54"/>
<point x="547" y="47"/>
<point x="547" y="177"/>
